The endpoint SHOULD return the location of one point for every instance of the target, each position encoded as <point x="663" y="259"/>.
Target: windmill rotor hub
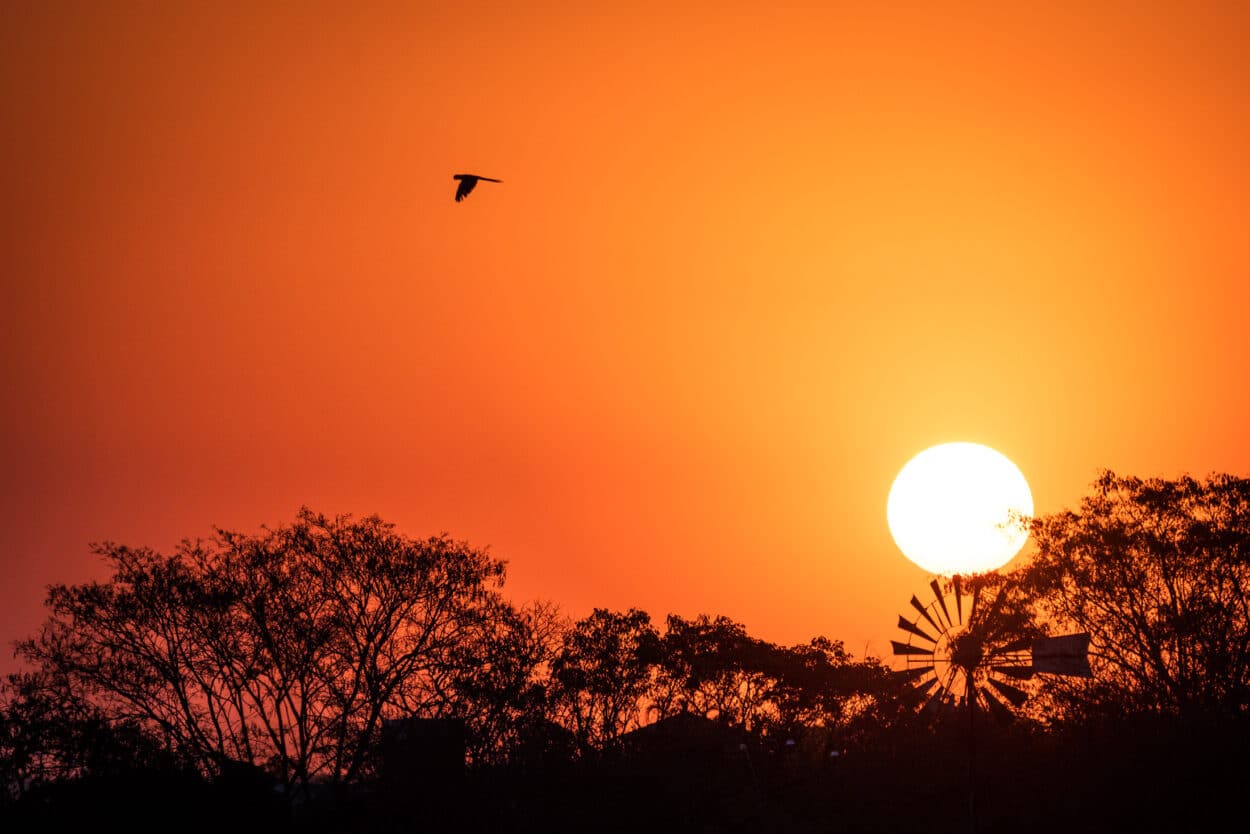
<point x="961" y="649"/>
<point x="967" y="651"/>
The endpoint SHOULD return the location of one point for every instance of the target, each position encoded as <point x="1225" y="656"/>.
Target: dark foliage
<point x="1158" y="572"/>
<point x="333" y="676"/>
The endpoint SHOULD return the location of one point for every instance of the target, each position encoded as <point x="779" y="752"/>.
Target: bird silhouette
<point x="467" y="183"/>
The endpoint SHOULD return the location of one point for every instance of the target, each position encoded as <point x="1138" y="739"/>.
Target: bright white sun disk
<point x="955" y="508"/>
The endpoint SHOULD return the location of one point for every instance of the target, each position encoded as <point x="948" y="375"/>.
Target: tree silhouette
<point x="48" y="735"/>
<point x="499" y="679"/>
<point x="602" y="675"/>
<point x="296" y="653"/>
<point x="285" y="649"/>
<point x="821" y="686"/>
<point x="711" y="667"/>
<point x="1158" y="572"/>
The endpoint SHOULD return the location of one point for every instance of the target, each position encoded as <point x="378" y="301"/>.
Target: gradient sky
<point x="746" y="261"/>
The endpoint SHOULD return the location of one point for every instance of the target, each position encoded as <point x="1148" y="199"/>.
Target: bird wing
<point x="466" y="185"/>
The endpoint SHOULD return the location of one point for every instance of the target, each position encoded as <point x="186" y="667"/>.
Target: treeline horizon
<point x="289" y="652"/>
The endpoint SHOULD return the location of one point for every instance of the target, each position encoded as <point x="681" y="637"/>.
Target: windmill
<point x="965" y="649"/>
<point x="979" y="658"/>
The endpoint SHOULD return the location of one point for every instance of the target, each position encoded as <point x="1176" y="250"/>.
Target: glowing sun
<point x="952" y="508"/>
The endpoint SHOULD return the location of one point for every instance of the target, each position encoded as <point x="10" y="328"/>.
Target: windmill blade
<point x="912" y="628"/>
<point x="976" y="597"/>
<point x="995" y="607"/>
<point x="949" y="678"/>
<point x="915" y="603"/>
<point x="1067" y="654"/>
<point x="997" y="708"/>
<point x="916" y="673"/>
<point x="928" y="691"/>
<point x="959" y="597"/>
<point x="1015" y="646"/>
<point x="937" y="592"/>
<point x="930" y="706"/>
<point x="1015" y="695"/>
<point x="1018" y="672"/>
<point x="907" y="648"/>
<point x="935" y="700"/>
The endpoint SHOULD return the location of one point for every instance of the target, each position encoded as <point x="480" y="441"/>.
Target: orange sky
<point x="746" y="261"/>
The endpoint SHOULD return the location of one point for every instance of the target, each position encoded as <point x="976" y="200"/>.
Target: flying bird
<point x="467" y="183"/>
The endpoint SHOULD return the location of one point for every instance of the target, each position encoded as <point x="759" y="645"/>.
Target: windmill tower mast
<point x="971" y="698"/>
<point x="977" y="654"/>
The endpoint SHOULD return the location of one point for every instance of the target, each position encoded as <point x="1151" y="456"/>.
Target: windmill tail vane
<point x="1067" y="654"/>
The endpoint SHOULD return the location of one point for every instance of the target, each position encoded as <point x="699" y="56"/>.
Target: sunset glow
<point x="743" y="262"/>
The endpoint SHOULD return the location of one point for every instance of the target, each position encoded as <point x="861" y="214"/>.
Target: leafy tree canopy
<point x="1158" y="572"/>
